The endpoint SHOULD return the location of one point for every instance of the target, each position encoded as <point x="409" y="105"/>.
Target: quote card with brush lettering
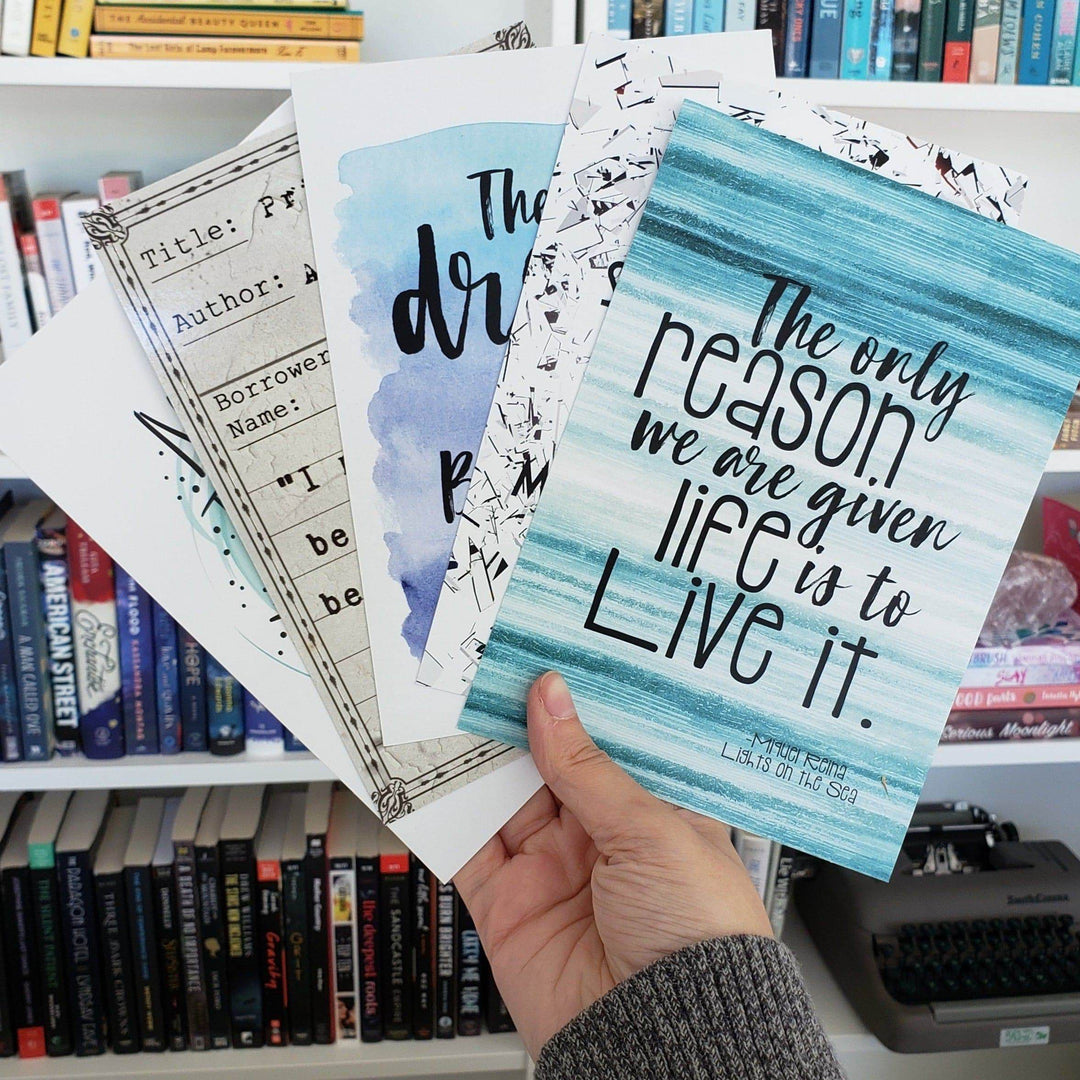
<point x="764" y="555"/>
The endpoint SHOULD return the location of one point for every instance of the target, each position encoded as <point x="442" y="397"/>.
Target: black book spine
<point x="495" y="1011"/>
<point x="445" y="951"/>
<point x="245" y="983"/>
<point x="7" y="1029"/>
<point x="367" y="929"/>
<point x="772" y="16"/>
<point x="118" y="965"/>
<point x="45" y="890"/>
<point x="212" y="933"/>
<point x="297" y="967"/>
<point x="470" y="978"/>
<point x="271" y="940"/>
<point x="27" y="1009"/>
<point x="144" y="950"/>
<point x="422" y="950"/>
<point x="167" y="925"/>
<point x="394" y="919"/>
<point x="196" y="1003"/>
<point x="343" y="926"/>
<point x="322" y="1016"/>
<point x="79" y="921"/>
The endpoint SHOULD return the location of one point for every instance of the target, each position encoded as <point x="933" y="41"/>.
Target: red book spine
<point x="956" y="66"/>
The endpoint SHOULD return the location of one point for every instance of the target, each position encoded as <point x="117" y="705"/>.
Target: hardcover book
<point x="421" y="949"/>
<point x="193" y="693"/>
<point x="986" y="41"/>
<point x="341" y="841"/>
<point x="1036" y="39"/>
<point x="166" y="680"/>
<point x="881" y="39"/>
<point x="932" y="40"/>
<point x="143" y="927"/>
<point x="959" y="23"/>
<point x="989" y="725"/>
<point x="182" y="47"/>
<point x="445" y="959"/>
<point x="395" y="920"/>
<point x="212" y="918"/>
<point x="856" y="40"/>
<point x="1009" y="42"/>
<point x="188" y="912"/>
<point x="49" y="227"/>
<point x="167" y="929"/>
<point x="16" y="218"/>
<point x="1063" y="48"/>
<point x="56" y="600"/>
<point x="317" y="801"/>
<point x="9" y="805"/>
<point x="717" y="603"/>
<point x="269" y="917"/>
<point x="263" y="735"/>
<point x="825" y="39"/>
<point x="10" y="736"/>
<point x="85" y="264"/>
<point x="134" y="19"/>
<point x="906" y="40"/>
<point x="294" y="894"/>
<point x="470" y="1006"/>
<point x="34" y="277"/>
<point x="707" y="17"/>
<point x="224" y="709"/>
<point x="368" y="932"/>
<point x="135" y="634"/>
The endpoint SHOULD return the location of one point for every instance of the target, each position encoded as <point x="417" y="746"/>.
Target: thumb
<point x="608" y="803"/>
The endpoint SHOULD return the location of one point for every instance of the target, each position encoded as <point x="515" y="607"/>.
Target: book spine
<point x="708" y="16"/>
<point x="992" y="725"/>
<point x="31" y="650"/>
<point x="170" y="962"/>
<point x="985" y="40"/>
<point x="116" y="185"/>
<point x="318" y="4"/>
<point x="956" y="61"/>
<point x="97" y="646"/>
<point x="343" y="923"/>
<point x="1024" y="657"/>
<point x="445" y="952"/>
<point x="144" y="952"/>
<point x="881" y="39"/>
<point x="192" y="692"/>
<point x="224" y="710"/>
<point x="46" y="28"/>
<point x="678" y="17"/>
<point x="825" y="39"/>
<point x="292" y="24"/>
<point x="179" y="47"/>
<point x="245" y="982"/>
<point x="781" y="891"/>
<point x="16" y="325"/>
<point x="212" y="935"/>
<point x="932" y="40"/>
<point x="292" y="744"/>
<point x="770" y="16"/>
<point x="421" y="950"/>
<point x="297" y="968"/>
<point x="367" y="900"/>
<point x="34" y="275"/>
<point x="1035" y="40"/>
<point x="394" y="918"/>
<point x="496" y="1014"/>
<point x="85" y="264"/>
<point x="797" y="39"/>
<point x="319" y="957"/>
<point x="1063" y="48"/>
<point x="17" y="28"/>
<point x="50" y="232"/>
<point x="618" y="18"/>
<point x="855" y="40"/>
<point x="45" y="890"/>
<point x="188" y="923"/>
<point x="1009" y="42"/>
<point x="167" y="680"/>
<point x="1016" y="697"/>
<point x="8" y="1039"/>
<point x="118" y="970"/>
<point x="271" y="944"/>
<point x="24" y="975"/>
<point x="59" y="640"/>
<point x="906" y="40"/>
<point x="75" y="24"/>
<point x="1028" y="675"/>
<point x="647" y="18"/>
<point x="79" y="920"/>
<point x="10" y="736"/>
<point x="135" y="624"/>
<point x="263" y="735"/>
<point x="470" y="979"/>
<point x="755" y="852"/>
<point x="740" y="15"/>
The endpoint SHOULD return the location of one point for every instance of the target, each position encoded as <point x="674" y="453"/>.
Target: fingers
<point x="607" y="802"/>
<point x="539" y="811"/>
<point x="715" y="833"/>
<point x="471" y="879"/>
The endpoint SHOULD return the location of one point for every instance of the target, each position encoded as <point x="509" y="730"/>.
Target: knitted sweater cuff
<point x="733" y="1007"/>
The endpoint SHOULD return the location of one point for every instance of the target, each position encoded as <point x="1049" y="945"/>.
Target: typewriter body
<point x="973" y="942"/>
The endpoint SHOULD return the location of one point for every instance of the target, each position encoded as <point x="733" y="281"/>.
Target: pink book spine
<point x="973" y="699"/>
<point x="115" y="185"/>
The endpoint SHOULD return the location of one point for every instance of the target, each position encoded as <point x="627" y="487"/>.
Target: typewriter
<point x="973" y="942"/>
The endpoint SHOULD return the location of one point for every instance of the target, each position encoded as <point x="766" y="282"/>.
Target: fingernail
<point x="555" y="695"/>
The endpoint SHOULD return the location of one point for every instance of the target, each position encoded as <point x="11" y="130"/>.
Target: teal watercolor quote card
<point x="816" y="415"/>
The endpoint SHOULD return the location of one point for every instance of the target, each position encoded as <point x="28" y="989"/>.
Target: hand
<point x="594" y="878"/>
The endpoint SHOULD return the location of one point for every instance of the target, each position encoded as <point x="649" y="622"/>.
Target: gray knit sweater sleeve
<point x="734" y="1008"/>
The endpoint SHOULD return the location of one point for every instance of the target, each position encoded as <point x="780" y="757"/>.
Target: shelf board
<point x="160" y="770"/>
<point x="439" y="1057"/>
<point x="164" y="74"/>
<point x="1008" y="752"/>
<point x="964" y="97"/>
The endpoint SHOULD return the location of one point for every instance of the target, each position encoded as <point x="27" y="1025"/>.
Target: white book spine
<point x="15" y="325"/>
<point x="35" y="280"/>
<point x="54" y="252"/>
<point x="756" y="855"/>
<point x="85" y="264"/>
<point x="17" y="26"/>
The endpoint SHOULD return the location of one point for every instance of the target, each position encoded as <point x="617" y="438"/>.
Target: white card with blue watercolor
<point x="606" y="165"/>
<point x="764" y="552"/>
<point x="423" y="212"/>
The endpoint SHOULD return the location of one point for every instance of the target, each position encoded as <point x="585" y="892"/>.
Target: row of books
<point x="772" y="868"/>
<point x="235" y="31"/>
<point x="45" y="255"/>
<point x="225" y="917"/>
<point x="90" y="662"/>
<point x="979" y="41"/>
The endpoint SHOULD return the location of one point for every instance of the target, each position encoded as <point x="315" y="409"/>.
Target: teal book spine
<point x="709" y="16"/>
<point x="739" y="15"/>
<point x="678" y="17"/>
<point x="1063" y="48"/>
<point x="1009" y="43"/>
<point x="618" y="18"/>
<point x="855" y="50"/>
<point x="881" y="40"/>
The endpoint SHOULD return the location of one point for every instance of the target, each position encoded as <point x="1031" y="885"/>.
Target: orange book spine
<point x="288" y="50"/>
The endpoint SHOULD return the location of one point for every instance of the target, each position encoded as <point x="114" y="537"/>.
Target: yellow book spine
<point x="282" y="50"/>
<point x="316" y="4"/>
<point x="210" y="22"/>
<point x="75" y="27"/>
<point x="46" y="28"/>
